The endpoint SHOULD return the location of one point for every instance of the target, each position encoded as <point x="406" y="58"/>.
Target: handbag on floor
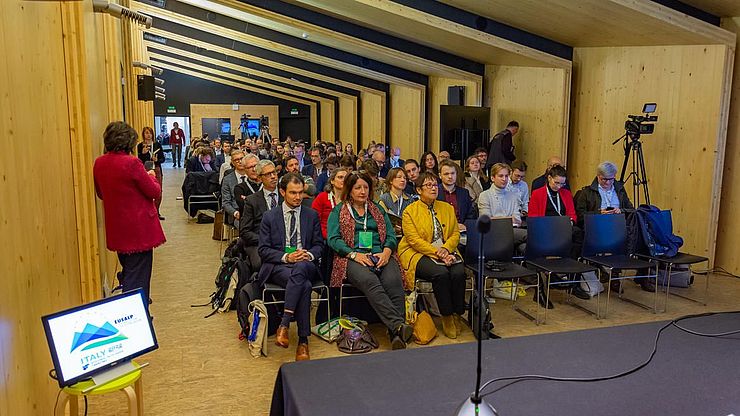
<point x="258" y="323"/>
<point x="424" y="329"/>
<point x="355" y="338"/>
<point x="411" y="313"/>
<point x="505" y="290"/>
<point x="591" y="284"/>
<point x="328" y="331"/>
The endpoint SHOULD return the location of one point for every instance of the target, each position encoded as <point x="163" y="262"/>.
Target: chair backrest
<point x="548" y="237"/>
<point x="498" y="244"/>
<point x="604" y="234"/>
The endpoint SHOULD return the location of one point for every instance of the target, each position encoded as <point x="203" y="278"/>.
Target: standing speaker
<point x="145" y="85"/>
<point x="456" y="95"/>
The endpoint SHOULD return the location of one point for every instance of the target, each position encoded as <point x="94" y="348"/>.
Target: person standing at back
<point x="128" y="191"/>
<point x="177" y="139"/>
<point x="502" y="148"/>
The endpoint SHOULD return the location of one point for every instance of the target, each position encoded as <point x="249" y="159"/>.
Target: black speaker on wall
<point x="456" y="95"/>
<point x="145" y="86"/>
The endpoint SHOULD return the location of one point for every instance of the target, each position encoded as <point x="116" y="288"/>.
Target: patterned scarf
<point x="347" y="230"/>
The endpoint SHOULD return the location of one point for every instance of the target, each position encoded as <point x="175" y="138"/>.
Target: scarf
<point x="347" y="230"/>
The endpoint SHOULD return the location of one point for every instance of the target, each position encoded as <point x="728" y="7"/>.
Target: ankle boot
<point x="448" y="326"/>
<point x="459" y="324"/>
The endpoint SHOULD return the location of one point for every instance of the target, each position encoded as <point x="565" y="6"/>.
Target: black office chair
<point x="549" y="242"/>
<point x="498" y="246"/>
<point x="605" y="245"/>
<point x="680" y="259"/>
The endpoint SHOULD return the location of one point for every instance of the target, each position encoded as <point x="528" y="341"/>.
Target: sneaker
<point x="397" y="343"/>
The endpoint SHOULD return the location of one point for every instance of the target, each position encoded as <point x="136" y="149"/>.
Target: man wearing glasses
<point x="254" y="206"/>
<point x="605" y="195"/>
<point x="244" y="182"/>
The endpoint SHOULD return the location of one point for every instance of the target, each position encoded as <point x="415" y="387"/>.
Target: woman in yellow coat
<point x="428" y="250"/>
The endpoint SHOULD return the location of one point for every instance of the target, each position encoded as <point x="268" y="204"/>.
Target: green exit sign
<point x="171" y="109"/>
<point x="293" y="111"/>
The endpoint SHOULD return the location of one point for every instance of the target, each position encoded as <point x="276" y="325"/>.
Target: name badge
<point x="366" y="239"/>
<point x="289" y="249"/>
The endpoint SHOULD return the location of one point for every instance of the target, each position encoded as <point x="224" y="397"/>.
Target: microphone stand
<point x="475" y="405"/>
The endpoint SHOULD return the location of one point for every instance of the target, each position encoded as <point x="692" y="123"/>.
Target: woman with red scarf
<point x="362" y="236"/>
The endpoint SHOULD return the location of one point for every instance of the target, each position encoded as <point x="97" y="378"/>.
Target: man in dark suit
<point x="395" y="161"/>
<point x="224" y="155"/>
<point x="254" y="207"/>
<point x="316" y="168"/>
<point x="202" y="161"/>
<point x="456" y="196"/>
<point x="290" y="245"/>
<point x="383" y="165"/>
<point x="502" y="148"/>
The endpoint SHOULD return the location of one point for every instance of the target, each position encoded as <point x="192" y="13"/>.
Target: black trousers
<point x="176" y="154"/>
<point x="448" y="283"/>
<point x="296" y="278"/>
<point x="137" y="271"/>
<point x="383" y="290"/>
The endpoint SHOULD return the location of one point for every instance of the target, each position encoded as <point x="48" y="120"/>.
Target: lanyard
<point x="400" y="204"/>
<point x="331" y="200"/>
<point x="552" y="202"/>
<point x="250" y="186"/>
<point x="364" y="221"/>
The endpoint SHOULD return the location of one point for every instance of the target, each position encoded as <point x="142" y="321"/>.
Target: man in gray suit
<point x="243" y="171"/>
<point x="254" y="206"/>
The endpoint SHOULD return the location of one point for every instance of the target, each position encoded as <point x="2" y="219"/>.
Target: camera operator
<point x="128" y="192"/>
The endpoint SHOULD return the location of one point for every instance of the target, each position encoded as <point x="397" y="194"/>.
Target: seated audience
<point x="316" y="168"/>
<point x="553" y="199"/>
<point x="412" y="173"/>
<point x="290" y="245"/>
<point x="370" y="168"/>
<point x="482" y="155"/>
<point x="291" y="165"/>
<point x="499" y="201"/>
<point x="328" y="199"/>
<point x="255" y="205"/>
<point x="383" y="166"/>
<point x="428" y="250"/>
<point x="224" y="157"/>
<point x="396" y="161"/>
<point x="454" y="194"/>
<point x="540" y="181"/>
<point x="361" y="234"/>
<point x="349" y="149"/>
<point x="429" y="162"/>
<point x="202" y="161"/>
<point x="476" y="180"/>
<point x="330" y="164"/>
<point x="443" y="155"/>
<point x="605" y="195"/>
<point x="395" y="200"/>
<point x="249" y="186"/>
<point x="516" y="183"/>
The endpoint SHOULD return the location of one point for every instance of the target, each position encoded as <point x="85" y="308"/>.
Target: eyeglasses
<point x="236" y="160"/>
<point x="607" y="179"/>
<point x="556" y="183"/>
<point x="431" y="185"/>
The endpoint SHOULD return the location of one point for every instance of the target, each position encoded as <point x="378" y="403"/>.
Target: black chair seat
<point x="619" y="261"/>
<point x="680" y="258"/>
<point x="564" y="265"/>
<point x="511" y="271"/>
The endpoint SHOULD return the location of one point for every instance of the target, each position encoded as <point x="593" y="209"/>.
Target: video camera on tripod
<point x="636" y="126"/>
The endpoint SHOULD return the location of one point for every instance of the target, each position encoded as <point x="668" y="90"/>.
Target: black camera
<point x="636" y="126"/>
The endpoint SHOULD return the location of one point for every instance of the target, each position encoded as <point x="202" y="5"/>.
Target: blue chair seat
<point x="680" y="258"/>
<point x="561" y="265"/>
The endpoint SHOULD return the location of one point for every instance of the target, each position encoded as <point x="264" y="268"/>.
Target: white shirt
<point x="522" y="189"/>
<point x="609" y="198"/>
<point x="286" y="217"/>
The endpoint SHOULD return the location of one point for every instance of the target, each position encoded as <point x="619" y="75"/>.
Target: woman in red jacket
<point x="132" y="227"/>
<point x="553" y="199"/>
<point x="327" y="200"/>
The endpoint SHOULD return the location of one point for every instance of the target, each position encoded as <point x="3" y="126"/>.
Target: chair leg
<point x="131" y="397"/>
<point x="61" y="407"/>
<point x="547" y="294"/>
<point x="706" y="285"/>
<point x="341" y="299"/>
<point x="139" y="390"/>
<point x="608" y="293"/>
<point x="669" y="268"/>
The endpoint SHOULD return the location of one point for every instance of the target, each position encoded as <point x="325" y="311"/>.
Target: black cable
<point x="85" y="404"/>
<point x="56" y="402"/>
<point x="516" y="379"/>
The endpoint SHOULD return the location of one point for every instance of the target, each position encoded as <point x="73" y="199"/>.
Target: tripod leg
<point x="643" y="175"/>
<point x="627" y="149"/>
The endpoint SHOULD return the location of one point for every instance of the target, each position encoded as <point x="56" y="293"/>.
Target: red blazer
<point x="128" y="193"/>
<point x="538" y="202"/>
<point x="177" y="136"/>
<point x="322" y="205"/>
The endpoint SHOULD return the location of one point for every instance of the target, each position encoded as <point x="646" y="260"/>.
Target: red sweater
<point x="128" y="193"/>
<point x="538" y="203"/>
<point x="177" y="136"/>
<point x="322" y="205"/>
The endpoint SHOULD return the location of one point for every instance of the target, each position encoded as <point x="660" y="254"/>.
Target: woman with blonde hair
<point x="476" y="180"/>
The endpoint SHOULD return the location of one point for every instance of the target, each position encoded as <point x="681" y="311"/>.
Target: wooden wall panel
<point x="438" y="96"/>
<point x="327" y="120"/>
<point x="348" y="121"/>
<point x="538" y="98"/>
<point x="201" y="111"/>
<point x="407" y="120"/>
<point x="372" y="119"/>
<point x="686" y="150"/>
<point x="728" y="235"/>
<point x="49" y="214"/>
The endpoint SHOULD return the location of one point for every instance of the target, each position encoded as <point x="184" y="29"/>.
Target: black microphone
<point x="483" y="224"/>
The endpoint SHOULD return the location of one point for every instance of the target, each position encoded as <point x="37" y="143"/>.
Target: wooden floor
<point x="201" y="368"/>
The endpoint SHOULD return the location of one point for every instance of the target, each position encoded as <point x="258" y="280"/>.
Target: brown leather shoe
<point x="301" y="352"/>
<point x="281" y="338"/>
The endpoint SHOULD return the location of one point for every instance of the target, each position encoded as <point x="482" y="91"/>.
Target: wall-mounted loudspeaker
<point x="145" y="85"/>
<point x="456" y="95"/>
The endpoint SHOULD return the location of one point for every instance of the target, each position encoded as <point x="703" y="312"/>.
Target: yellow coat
<point x="417" y="235"/>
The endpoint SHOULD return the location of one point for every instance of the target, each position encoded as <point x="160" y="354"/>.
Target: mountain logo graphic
<point x="106" y="334"/>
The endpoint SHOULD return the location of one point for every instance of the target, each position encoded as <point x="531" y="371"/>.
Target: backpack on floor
<point x="227" y="280"/>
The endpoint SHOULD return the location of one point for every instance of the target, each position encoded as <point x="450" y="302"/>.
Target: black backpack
<point x="227" y="280"/>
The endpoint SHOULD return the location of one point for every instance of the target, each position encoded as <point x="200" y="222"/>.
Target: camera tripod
<point x="632" y="144"/>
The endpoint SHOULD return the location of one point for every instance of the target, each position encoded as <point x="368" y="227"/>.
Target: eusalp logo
<point x="95" y="336"/>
